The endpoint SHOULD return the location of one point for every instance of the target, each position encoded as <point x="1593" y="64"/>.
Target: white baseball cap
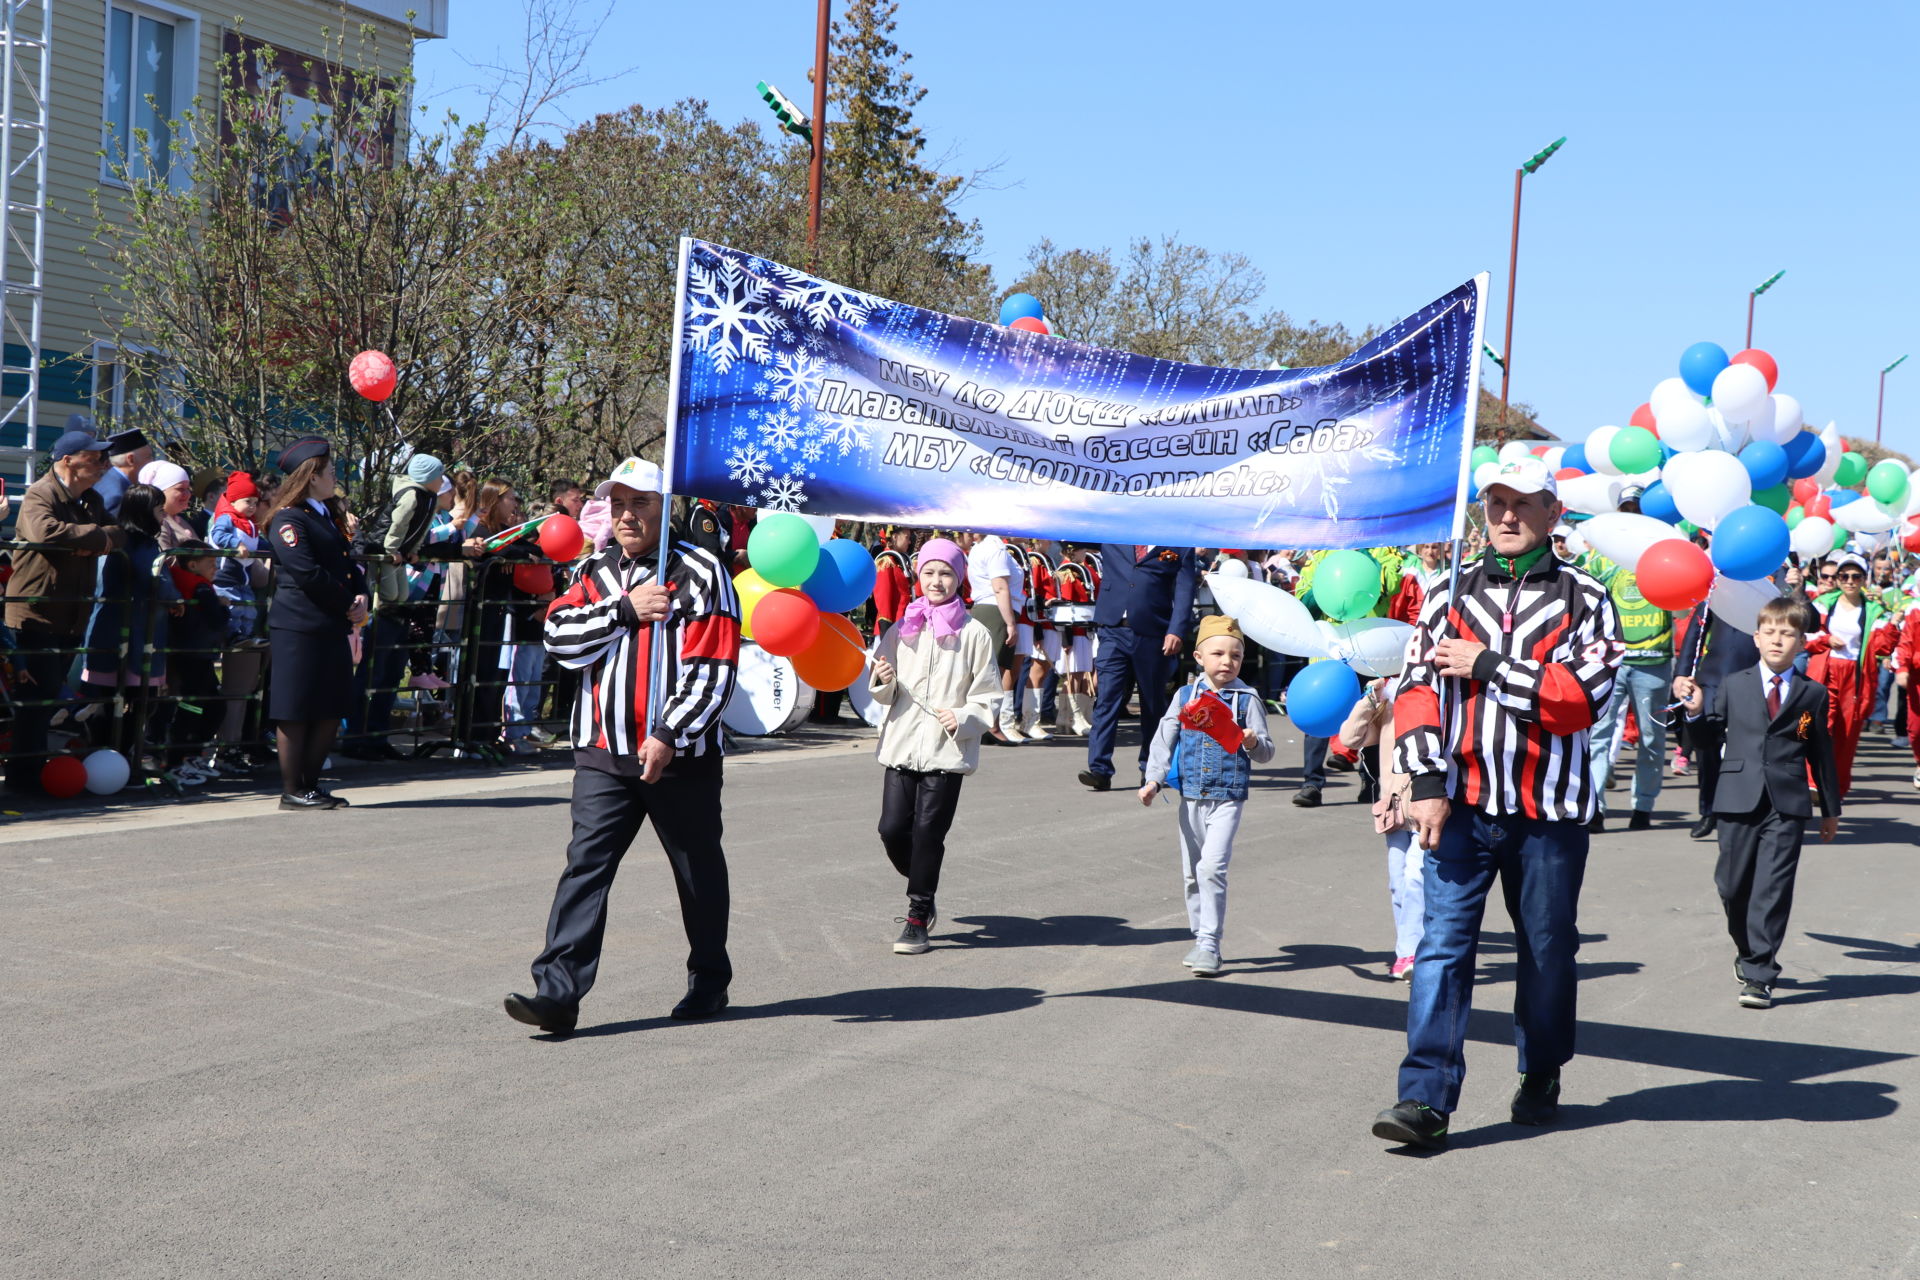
<point x="1522" y="475"/>
<point x="634" y="473"/>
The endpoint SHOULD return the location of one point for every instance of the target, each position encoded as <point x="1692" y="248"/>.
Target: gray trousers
<point x="1206" y="847"/>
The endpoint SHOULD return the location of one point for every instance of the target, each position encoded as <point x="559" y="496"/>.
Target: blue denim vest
<point x="1207" y="770"/>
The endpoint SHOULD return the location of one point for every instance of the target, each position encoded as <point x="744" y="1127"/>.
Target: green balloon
<point x="1346" y="585"/>
<point x="1840" y="537"/>
<point x="783" y="549"/>
<point x="1887" y="482"/>
<point x="1483" y="454"/>
<point x="1853" y="469"/>
<point x="1634" y="449"/>
<point x="1776" y="499"/>
<point x="1689" y="528"/>
<point x="1795" y="515"/>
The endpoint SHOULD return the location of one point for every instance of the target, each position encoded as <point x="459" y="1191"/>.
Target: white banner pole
<point x="657" y="668"/>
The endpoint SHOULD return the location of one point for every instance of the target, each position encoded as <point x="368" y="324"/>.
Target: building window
<point x="148" y="80"/>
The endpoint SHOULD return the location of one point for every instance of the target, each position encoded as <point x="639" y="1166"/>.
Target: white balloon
<point x="1865" y="516"/>
<point x="1555" y="458"/>
<point x="1600" y="450"/>
<point x="1737" y="603"/>
<point x="822" y="526"/>
<point x="1668" y="395"/>
<point x="1271" y="618"/>
<point x="1731" y="437"/>
<point x="1514" y="450"/>
<point x="1709" y="486"/>
<point x="1685" y="427"/>
<point x="1835" y="448"/>
<point x="1230" y="567"/>
<point x="1812" y="537"/>
<point x="1787" y="417"/>
<point x="1623" y="537"/>
<point x="107" y="771"/>
<point x="1483" y="475"/>
<point x="1591" y="495"/>
<point x="1913" y="493"/>
<point x="1577" y="546"/>
<point x="1738" y="389"/>
<point x="1371" y="646"/>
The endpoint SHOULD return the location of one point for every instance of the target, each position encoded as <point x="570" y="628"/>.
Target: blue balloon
<point x="1805" y="455"/>
<point x="1667" y="453"/>
<point x="1700" y="364"/>
<point x="1576" y="456"/>
<point x="1018" y="305"/>
<point x="844" y="577"/>
<point x="1766" y="462"/>
<point x="1658" y="503"/>
<point x="1845" y="497"/>
<point x="1750" y="543"/>
<point x="1320" y="697"/>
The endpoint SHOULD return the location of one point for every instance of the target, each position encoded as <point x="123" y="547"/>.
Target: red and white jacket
<point x="593" y="629"/>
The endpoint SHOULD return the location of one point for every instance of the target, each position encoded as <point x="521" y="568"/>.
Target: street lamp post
<point x="1753" y="293"/>
<point x="1880" y="412"/>
<point x="817" y="171"/>
<point x="1513" y="263"/>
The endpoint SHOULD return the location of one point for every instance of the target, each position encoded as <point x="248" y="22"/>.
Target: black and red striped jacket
<point x="1519" y="725"/>
<point x="593" y="629"/>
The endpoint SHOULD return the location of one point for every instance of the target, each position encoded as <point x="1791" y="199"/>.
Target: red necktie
<point x="1773" y="699"/>
<point x="1140" y="550"/>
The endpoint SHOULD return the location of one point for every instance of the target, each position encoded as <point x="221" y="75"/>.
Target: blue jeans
<point x="1540" y="865"/>
<point x="1648" y="690"/>
<point x="524" y="693"/>
<point x="1126" y="659"/>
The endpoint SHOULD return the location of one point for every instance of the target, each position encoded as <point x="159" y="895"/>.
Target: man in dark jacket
<point x="1141" y="619"/>
<point x="48" y="597"/>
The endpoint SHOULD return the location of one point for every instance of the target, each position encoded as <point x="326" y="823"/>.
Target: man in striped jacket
<point x="1504" y="680"/>
<point x="627" y="771"/>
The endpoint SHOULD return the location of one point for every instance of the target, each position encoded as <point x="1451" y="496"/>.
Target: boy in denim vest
<point x="1212" y="735"/>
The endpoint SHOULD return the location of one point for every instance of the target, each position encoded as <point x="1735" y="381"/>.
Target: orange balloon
<point x="836" y="657"/>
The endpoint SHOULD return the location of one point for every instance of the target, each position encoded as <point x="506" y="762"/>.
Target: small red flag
<point x="1209" y="714"/>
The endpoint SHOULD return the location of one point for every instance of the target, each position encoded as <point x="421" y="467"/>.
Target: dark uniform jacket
<point x="315" y="580"/>
<point x="1766" y="759"/>
<point x="1153" y="596"/>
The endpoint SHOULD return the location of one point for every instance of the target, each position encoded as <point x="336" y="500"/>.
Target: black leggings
<point x="916" y="809"/>
<point x="304" y="745"/>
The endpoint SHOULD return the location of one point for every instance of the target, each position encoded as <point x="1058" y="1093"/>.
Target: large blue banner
<point x="797" y="394"/>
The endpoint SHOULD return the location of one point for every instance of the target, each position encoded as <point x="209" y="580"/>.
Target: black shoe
<point x="1537" y="1100"/>
<point x="543" y="1012"/>
<point x="1307" y="797"/>
<point x="1337" y="763"/>
<point x="918" y="922"/>
<point x="1096" y="781"/>
<point x="700" y="1002"/>
<point x="1369" y="792"/>
<point x="306" y="800"/>
<point x="1705" y="827"/>
<point x="1755" y="995"/>
<point x="332" y="801"/>
<point x="1641" y="820"/>
<point x="1598" y="826"/>
<point x="1413" y="1124"/>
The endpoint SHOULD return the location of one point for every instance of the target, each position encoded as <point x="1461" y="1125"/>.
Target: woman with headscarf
<point x="319" y="596"/>
<point x="937" y="674"/>
<point x="173" y="480"/>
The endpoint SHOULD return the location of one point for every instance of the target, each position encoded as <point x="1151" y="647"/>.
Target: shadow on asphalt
<point x="1056" y="931"/>
<point x="876" y="1004"/>
<point x="469" y="802"/>
<point x="1871" y="949"/>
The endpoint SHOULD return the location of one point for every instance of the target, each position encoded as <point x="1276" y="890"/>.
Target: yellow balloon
<point x="749" y="586"/>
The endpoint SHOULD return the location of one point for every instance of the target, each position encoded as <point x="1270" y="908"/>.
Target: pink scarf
<point x="948" y="617"/>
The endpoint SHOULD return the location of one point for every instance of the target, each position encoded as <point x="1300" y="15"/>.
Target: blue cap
<point x="77" y="442"/>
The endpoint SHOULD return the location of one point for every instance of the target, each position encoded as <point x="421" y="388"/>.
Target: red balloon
<point x="785" y="622"/>
<point x="1761" y="361"/>
<point x="1912" y="541"/>
<point x="561" y="537"/>
<point x="1540" y="450"/>
<point x="1805" y="490"/>
<point x="534" y="579"/>
<point x="1030" y="324"/>
<point x="1643" y="417"/>
<point x="373" y="375"/>
<point x="1820" y="505"/>
<point x="1674" y="574"/>
<point x="63" y="777"/>
<point x="1568" y="473"/>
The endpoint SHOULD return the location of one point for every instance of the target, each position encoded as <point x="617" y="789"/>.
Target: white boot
<point x="1004" y="717"/>
<point x="1062" y="714"/>
<point x="1083" y="714"/>
<point x="1030" y="726"/>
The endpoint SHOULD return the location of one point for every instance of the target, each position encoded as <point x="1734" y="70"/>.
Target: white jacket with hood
<point x="958" y="673"/>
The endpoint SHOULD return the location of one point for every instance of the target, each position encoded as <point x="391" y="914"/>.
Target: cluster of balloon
<point x="373" y="375"/>
<point x="791" y="601"/>
<point x="1023" y="311"/>
<point x="1719" y="448"/>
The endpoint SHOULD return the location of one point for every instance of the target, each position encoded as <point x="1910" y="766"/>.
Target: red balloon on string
<point x="1761" y="361"/>
<point x="1674" y="574"/>
<point x="561" y="537"/>
<point x="63" y="777"/>
<point x="1819" y="506"/>
<point x="1540" y="450"/>
<point x="1912" y="541"/>
<point x="1805" y="489"/>
<point x="1568" y="473"/>
<point x="373" y="375"/>
<point x="534" y="579"/>
<point x="1643" y="417"/>
<point x="785" y="622"/>
<point x="1030" y="324"/>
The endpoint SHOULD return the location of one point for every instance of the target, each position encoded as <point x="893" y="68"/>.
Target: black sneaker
<point x="1096" y="781"/>
<point x="1413" y="1124"/>
<point x="1537" y="1100"/>
<point x="918" y="922"/>
<point x="1641" y="820"/>
<point x="1337" y="763"/>
<point x="1755" y="995"/>
<point x="1307" y="797"/>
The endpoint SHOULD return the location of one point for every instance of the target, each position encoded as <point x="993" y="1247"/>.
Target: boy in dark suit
<point x="1773" y="721"/>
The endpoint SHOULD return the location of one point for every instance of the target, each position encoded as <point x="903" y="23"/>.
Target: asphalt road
<point x="249" y="1044"/>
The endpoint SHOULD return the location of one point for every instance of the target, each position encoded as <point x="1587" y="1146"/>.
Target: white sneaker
<point x="1916" y="777"/>
<point x="1030" y="725"/>
<point x="188" y="776"/>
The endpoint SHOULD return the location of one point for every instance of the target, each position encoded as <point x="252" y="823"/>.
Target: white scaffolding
<point x="26" y="56"/>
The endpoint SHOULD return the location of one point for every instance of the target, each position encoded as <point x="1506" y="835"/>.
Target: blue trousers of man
<point x="1126" y="659"/>
<point x="1540" y="866"/>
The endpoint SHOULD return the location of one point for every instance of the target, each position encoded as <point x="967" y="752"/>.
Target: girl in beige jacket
<point x="934" y="671"/>
<point x="1370" y="723"/>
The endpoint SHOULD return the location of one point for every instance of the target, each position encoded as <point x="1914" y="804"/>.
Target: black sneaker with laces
<point x="1537" y="1100"/>
<point x="918" y="922"/>
<point x="1413" y="1124"/>
<point x="1756" y="995"/>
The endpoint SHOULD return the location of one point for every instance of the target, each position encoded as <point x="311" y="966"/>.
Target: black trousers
<point x="916" y="812"/>
<point x="1759" y="856"/>
<point x="608" y="810"/>
<point x="43" y="657"/>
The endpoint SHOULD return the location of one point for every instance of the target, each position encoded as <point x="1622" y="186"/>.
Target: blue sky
<point x="1362" y="156"/>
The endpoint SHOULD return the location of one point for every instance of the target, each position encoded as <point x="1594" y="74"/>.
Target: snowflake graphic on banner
<point x="844" y="431"/>
<point x="795" y="377"/>
<point x="784" y="494"/>
<point x="730" y="314"/>
<point x="748" y="465"/>
<point x="781" y="431"/>
<point x="820" y="302"/>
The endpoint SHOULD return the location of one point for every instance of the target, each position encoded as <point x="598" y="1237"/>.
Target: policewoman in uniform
<point x="319" y="596"/>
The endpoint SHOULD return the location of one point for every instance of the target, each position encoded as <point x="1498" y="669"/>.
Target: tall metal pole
<point x="1750" y="298"/>
<point x="818" y="171"/>
<point x="1513" y="265"/>
<point x="1880" y="411"/>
